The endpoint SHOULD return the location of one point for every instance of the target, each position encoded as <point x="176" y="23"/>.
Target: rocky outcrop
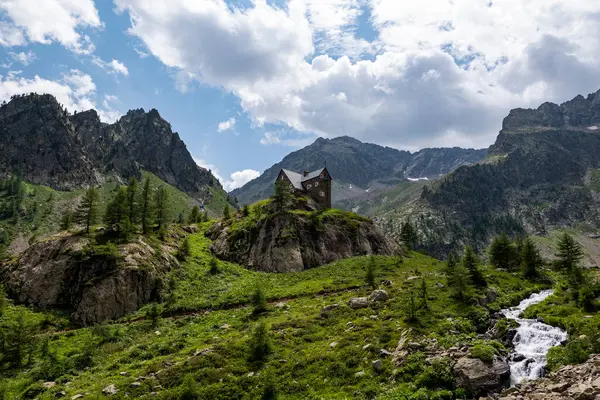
<point x="295" y="240"/>
<point x="577" y="382"/>
<point x="48" y="146"/>
<point x="95" y="283"/>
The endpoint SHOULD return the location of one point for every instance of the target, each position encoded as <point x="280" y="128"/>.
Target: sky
<point x="245" y="82"/>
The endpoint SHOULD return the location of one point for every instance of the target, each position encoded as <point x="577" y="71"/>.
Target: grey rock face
<point x="479" y="377"/>
<point x="58" y="273"/>
<point x="378" y="295"/>
<point x="358" y="302"/>
<point x="50" y="147"/>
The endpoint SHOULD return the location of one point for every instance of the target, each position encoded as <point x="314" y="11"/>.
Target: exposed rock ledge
<point x="295" y="240"/>
<point x="95" y="283"/>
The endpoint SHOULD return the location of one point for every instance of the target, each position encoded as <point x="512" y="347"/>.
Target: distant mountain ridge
<point x="356" y="166"/>
<point x="47" y="146"/>
<point x="542" y="174"/>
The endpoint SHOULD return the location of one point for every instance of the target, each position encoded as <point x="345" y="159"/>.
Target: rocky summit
<point x="272" y="240"/>
<point x="41" y="141"/>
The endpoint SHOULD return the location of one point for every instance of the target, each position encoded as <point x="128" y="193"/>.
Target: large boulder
<point x="94" y="283"/>
<point x="479" y="377"/>
<point x="292" y="241"/>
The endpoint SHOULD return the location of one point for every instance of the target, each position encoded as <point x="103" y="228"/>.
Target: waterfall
<point x="532" y="341"/>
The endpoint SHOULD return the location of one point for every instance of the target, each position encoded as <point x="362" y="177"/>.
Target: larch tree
<point x="146" y="207"/>
<point x="569" y="256"/>
<point x="86" y="213"/>
<point x="161" y="206"/>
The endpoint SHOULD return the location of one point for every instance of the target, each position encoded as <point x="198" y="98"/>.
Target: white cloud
<point x="47" y="21"/>
<point x="115" y="67"/>
<point x="226" y="125"/>
<point x="75" y="91"/>
<point x="237" y="179"/>
<point x="22" y="57"/>
<point x="240" y="178"/>
<point x="118" y="67"/>
<point x="444" y="73"/>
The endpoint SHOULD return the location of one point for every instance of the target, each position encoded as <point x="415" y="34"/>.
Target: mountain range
<point x="542" y="174"/>
<point x="48" y="146"/>
<point x="359" y="169"/>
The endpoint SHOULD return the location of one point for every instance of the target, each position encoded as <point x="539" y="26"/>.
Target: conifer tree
<point x="502" y="252"/>
<point x="117" y="214"/>
<point x="470" y="263"/>
<point x="132" y="201"/>
<point x="86" y="213"/>
<point x="66" y="222"/>
<point x="531" y="261"/>
<point x="450" y="266"/>
<point x="460" y="282"/>
<point x="569" y="255"/>
<point x="146" y="207"/>
<point x="283" y="194"/>
<point x="161" y="207"/>
<point x="227" y="211"/>
<point x="423" y="294"/>
<point x="205" y="217"/>
<point x="370" y="275"/>
<point x="408" y="235"/>
<point x="245" y="210"/>
<point x="194" y="215"/>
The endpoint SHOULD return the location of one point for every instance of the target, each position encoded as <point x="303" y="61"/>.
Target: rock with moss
<point x="94" y="282"/>
<point x="299" y="238"/>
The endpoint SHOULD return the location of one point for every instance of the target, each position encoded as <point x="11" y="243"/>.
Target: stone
<point x="110" y="390"/>
<point x="135" y="384"/>
<point x="360" y="374"/>
<point x="281" y="304"/>
<point x="250" y="374"/>
<point x="48" y="385"/>
<point x="367" y="346"/>
<point x="225" y="326"/>
<point x="559" y="387"/>
<point x="518" y="357"/>
<point x="477" y="376"/>
<point x="60" y="394"/>
<point x="333" y="344"/>
<point x="386" y="282"/>
<point x="414" y="346"/>
<point x="358" y="302"/>
<point x="379" y="295"/>
<point x="377" y="366"/>
<point x="325" y="311"/>
<point x="401" y="351"/>
<point x="77" y="396"/>
<point x="384" y="353"/>
<point x="440" y="285"/>
<point x="124" y="373"/>
<point x="373" y="317"/>
<point x="581" y="391"/>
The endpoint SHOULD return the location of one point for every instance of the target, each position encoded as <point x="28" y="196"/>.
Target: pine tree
<point x="161" y="206"/>
<point x="470" y="263"/>
<point x="86" y="213"/>
<point x="116" y="216"/>
<point x="412" y="307"/>
<point x="283" y="194"/>
<point x="460" y="282"/>
<point x="194" y="215"/>
<point x="132" y="201"/>
<point x="502" y="252"/>
<point x="147" y="207"/>
<point x="245" y="210"/>
<point x="450" y="266"/>
<point x="226" y="211"/>
<point x="408" y="235"/>
<point x="370" y="275"/>
<point x="66" y="222"/>
<point x="423" y="294"/>
<point x="569" y="255"/>
<point x="205" y="217"/>
<point x="531" y="261"/>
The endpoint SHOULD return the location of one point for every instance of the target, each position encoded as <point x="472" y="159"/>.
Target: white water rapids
<point x="533" y="340"/>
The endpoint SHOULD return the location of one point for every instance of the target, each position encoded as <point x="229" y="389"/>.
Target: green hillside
<point x="202" y="345"/>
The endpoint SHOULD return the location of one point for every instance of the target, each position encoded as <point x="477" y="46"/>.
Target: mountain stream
<point x="532" y="341"/>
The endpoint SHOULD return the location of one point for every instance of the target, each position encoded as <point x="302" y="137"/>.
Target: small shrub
<point x="259" y="344"/>
<point x="189" y="388"/>
<point x="259" y="300"/>
<point x="153" y="314"/>
<point x="484" y="352"/>
<point x="370" y="275"/>
<point x="213" y="266"/>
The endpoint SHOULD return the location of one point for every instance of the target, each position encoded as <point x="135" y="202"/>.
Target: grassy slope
<point x="43" y="207"/>
<point x="302" y="365"/>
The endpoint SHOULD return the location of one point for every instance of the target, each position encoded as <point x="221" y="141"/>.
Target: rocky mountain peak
<point x="580" y="112"/>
